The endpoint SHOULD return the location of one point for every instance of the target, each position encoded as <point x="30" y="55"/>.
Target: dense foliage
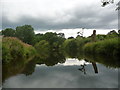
<point x="45" y="44"/>
<point x="43" y="49"/>
<point x="22" y="45"/>
<point x="24" y="33"/>
<point x="14" y="49"/>
<point x="108" y="47"/>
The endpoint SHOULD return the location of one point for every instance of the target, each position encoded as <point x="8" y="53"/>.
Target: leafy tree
<point x="112" y="34"/>
<point x="54" y="40"/>
<point x="8" y="32"/>
<point x="61" y="35"/>
<point x="38" y="37"/>
<point x="70" y="47"/>
<point x="43" y="48"/>
<point x="71" y="37"/>
<point x="50" y="37"/>
<point x="25" y="33"/>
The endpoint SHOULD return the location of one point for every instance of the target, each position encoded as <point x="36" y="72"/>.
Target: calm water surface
<point x="70" y="74"/>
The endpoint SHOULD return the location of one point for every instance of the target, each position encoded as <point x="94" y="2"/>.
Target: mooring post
<point x="94" y="36"/>
<point x="94" y="40"/>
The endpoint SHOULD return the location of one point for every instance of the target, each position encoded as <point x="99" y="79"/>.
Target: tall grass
<point x="108" y="47"/>
<point x="81" y="42"/>
<point x="14" y="49"/>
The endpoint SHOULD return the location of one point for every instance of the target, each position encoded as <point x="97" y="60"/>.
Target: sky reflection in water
<point x="66" y="75"/>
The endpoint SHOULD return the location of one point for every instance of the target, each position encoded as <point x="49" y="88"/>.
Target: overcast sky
<point x="59" y="14"/>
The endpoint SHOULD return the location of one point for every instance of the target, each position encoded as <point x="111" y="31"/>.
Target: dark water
<point x="64" y="73"/>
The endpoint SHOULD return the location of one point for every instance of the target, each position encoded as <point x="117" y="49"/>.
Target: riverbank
<point x="14" y="49"/>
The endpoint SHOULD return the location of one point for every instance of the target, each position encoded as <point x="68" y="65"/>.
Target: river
<point x="72" y="73"/>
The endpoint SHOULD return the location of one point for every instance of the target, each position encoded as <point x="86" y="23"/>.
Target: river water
<point x="72" y="73"/>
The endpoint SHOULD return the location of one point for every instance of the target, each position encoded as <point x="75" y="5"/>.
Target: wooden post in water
<point x="94" y="36"/>
<point x="94" y="40"/>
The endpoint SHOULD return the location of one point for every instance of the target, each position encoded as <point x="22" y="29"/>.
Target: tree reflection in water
<point x="93" y="64"/>
<point x="83" y="68"/>
<point x="21" y="67"/>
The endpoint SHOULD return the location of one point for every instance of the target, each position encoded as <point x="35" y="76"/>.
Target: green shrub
<point x="13" y="49"/>
<point x="106" y="47"/>
<point x="70" y="47"/>
<point x="81" y="42"/>
<point x="43" y="48"/>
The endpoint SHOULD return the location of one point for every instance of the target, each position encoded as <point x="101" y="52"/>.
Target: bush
<point x="70" y="47"/>
<point x="43" y="48"/>
<point x="106" y="47"/>
<point x="81" y="42"/>
<point x="13" y="49"/>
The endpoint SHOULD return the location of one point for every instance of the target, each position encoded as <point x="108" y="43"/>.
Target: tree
<point x="8" y="32"/>
<point x="106" y="2"/>
<point x="61" y="35"/>
<point x="43" y="48"/>
<point x="71" y="48"/>
<point x="25" y="33"/>
<point x="112" y="34"/>
<point x="54" y="40"/>
<point x="38" y="37"/>
<point x="71" y="37"/>
<point x="50" y="37"/>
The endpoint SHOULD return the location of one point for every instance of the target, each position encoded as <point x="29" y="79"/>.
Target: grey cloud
<point x="79" y="17"/>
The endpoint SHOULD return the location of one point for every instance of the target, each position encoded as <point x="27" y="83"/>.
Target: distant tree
<point x="71" y="37"/>
<point x="8" y="32"/>
<point x="78" y="36"/>
<point x="71" y="48"/>
<point x="43" y="48"/>
<point x="61" y="35"/>
<point x="38" y="37"/>
<point x="54" y="40"/>
<point x="25" y="33"/>
<point x="112" y="34"/>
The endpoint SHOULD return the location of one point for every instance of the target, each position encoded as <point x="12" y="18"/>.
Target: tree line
<point x="50" y="42"/>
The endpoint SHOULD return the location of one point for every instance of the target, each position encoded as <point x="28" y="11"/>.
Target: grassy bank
<point x="108" y="47"/>
<point x="14" y="49"/>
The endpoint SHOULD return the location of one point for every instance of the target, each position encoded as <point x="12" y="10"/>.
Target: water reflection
<point x="83" y="68"/>
<point x="65" y="72"/>
<point x="60" y="76"/>
<point x="95" y="67"/>
<point x="53" y="59"/>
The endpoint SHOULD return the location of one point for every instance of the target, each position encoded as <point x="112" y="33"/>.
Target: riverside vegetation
<point x="23" y="44"/>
